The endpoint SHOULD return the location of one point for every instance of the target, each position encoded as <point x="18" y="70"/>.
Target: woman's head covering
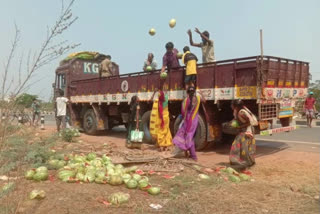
<point x="238" y="103"/>
<point x="133" y="108"/>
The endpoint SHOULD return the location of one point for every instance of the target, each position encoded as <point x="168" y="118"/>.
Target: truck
<point x="269" y="86"/>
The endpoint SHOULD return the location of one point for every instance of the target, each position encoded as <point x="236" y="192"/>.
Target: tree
<point x="315" y="88"/>
<point x="14" y="83"/>
<point x="51" y="48"/>
<point x="47" y="106"/>
<point x="25" y="100"/>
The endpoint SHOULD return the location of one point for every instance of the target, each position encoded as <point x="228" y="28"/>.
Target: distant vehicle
<point x="269" y="86"/>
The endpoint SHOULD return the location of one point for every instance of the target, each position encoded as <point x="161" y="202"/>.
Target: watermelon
<point x="234" y="178"/>
<point x="149" y="68"/>
<point x="118" y="198"/>
<point x="244" y="177"/>
<point x="91" y="156"/>
<point x="132" y="184"/>
<point x="163" y="75"/>
<point x="29" y="174"/>
<point x="154" y="190"/>
<point x="179" y="55"/>
<point x="42" y="169"/>
<point x="235" y="124"/>
<point x="40" y="176"/>
<point x="64" y="175"/>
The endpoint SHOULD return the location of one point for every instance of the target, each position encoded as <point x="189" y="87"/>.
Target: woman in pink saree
<point x="184" y="139"/>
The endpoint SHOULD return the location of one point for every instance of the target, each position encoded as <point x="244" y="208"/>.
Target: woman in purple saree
<point x="184" y="139"/>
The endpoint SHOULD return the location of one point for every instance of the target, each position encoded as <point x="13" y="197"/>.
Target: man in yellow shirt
<point x="190" y="60"/>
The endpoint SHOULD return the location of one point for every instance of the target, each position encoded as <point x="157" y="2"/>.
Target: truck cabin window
<point x="60" y="81"/>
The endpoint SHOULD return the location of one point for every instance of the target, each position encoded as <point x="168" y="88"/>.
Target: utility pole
<point x="261" y="44"/>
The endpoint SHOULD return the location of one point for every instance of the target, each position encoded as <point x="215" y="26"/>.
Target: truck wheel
<point x="145" y="120"/>
<point x="176" y="125"/>
<point x="90" y="122"/>
<point x="126" y="125"/>
<point x="285" y="121"/>
<point x="201" y="133"/>
<point x="69" y="117"/>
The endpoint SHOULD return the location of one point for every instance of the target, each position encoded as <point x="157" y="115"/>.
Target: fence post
<point x="20" y="119"/>
<point x="42" y="122"/>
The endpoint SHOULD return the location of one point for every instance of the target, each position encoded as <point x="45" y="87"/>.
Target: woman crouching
<point x="243" y="149"/>
<point x="134" y="122"/>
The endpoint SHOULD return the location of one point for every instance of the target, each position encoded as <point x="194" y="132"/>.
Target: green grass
<point x="21" y="150"/>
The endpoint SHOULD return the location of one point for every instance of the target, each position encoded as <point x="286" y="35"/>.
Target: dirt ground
<point x="283" y="181"/>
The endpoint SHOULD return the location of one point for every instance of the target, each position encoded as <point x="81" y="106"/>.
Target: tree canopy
<point x="25" y="100"/>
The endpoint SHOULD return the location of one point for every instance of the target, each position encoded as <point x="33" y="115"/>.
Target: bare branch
<point x="9" y="85"/>
<point x="62" y="6"/>
<point x="10" y="57"/>
<point x="28" y="61"/>
<point x="20" y="67"/>
<point x="27" y="87"/>
<point x="48" y="52"/>
<point x="57" y="45"/>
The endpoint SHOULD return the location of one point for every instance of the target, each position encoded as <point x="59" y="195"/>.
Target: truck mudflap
<point x="277" y="130"/>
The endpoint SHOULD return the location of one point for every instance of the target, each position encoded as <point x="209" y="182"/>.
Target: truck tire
<point x="285" y="121"/>
<point x="200" y="135"/>
<point x="68" y="115"/>
<point x="145" y="120"/>
<point x="90" y="122"/>
<point x="126" y="125"/>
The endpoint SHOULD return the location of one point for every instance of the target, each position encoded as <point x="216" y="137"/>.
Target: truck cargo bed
<point x="241" y="78"/>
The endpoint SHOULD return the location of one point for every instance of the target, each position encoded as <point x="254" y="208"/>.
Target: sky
<point x="120" y="28"/>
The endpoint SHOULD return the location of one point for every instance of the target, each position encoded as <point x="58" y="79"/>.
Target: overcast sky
<point x="120" y="28"/>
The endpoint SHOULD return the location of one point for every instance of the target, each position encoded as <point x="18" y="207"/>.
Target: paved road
<point x="50" y="120"/>
<point x="301" y="134"/>
<point x="302" y="139"/>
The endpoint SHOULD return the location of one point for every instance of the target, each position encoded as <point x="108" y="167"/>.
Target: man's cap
<point x="311" y="92"/>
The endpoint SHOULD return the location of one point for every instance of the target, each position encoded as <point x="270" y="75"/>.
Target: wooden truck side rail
<point x="221" y="80"/>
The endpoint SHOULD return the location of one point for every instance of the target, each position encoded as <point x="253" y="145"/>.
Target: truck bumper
<point x="277" y="130"/>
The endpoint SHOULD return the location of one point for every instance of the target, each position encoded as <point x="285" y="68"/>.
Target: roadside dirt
<point x="283" y="181"/>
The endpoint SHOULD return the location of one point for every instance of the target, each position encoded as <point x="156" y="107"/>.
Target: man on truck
<point x="190" y="60"/>
<point x="310" y="107"/>
<point x="207" y="45"/>
<point x="150" y="63"/>
<point x="170" y="59"/>
<point x="106" y="67"/>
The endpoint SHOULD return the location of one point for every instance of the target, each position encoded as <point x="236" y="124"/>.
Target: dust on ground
<point x="283" y="181"/>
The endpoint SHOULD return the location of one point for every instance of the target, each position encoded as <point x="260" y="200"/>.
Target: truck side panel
<point x="225" y="76"/>
<point x="286" y="73"/>
<point x="206" y="77"/>
<point x="228" y="80"/>
<point x="224" y="80"/>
